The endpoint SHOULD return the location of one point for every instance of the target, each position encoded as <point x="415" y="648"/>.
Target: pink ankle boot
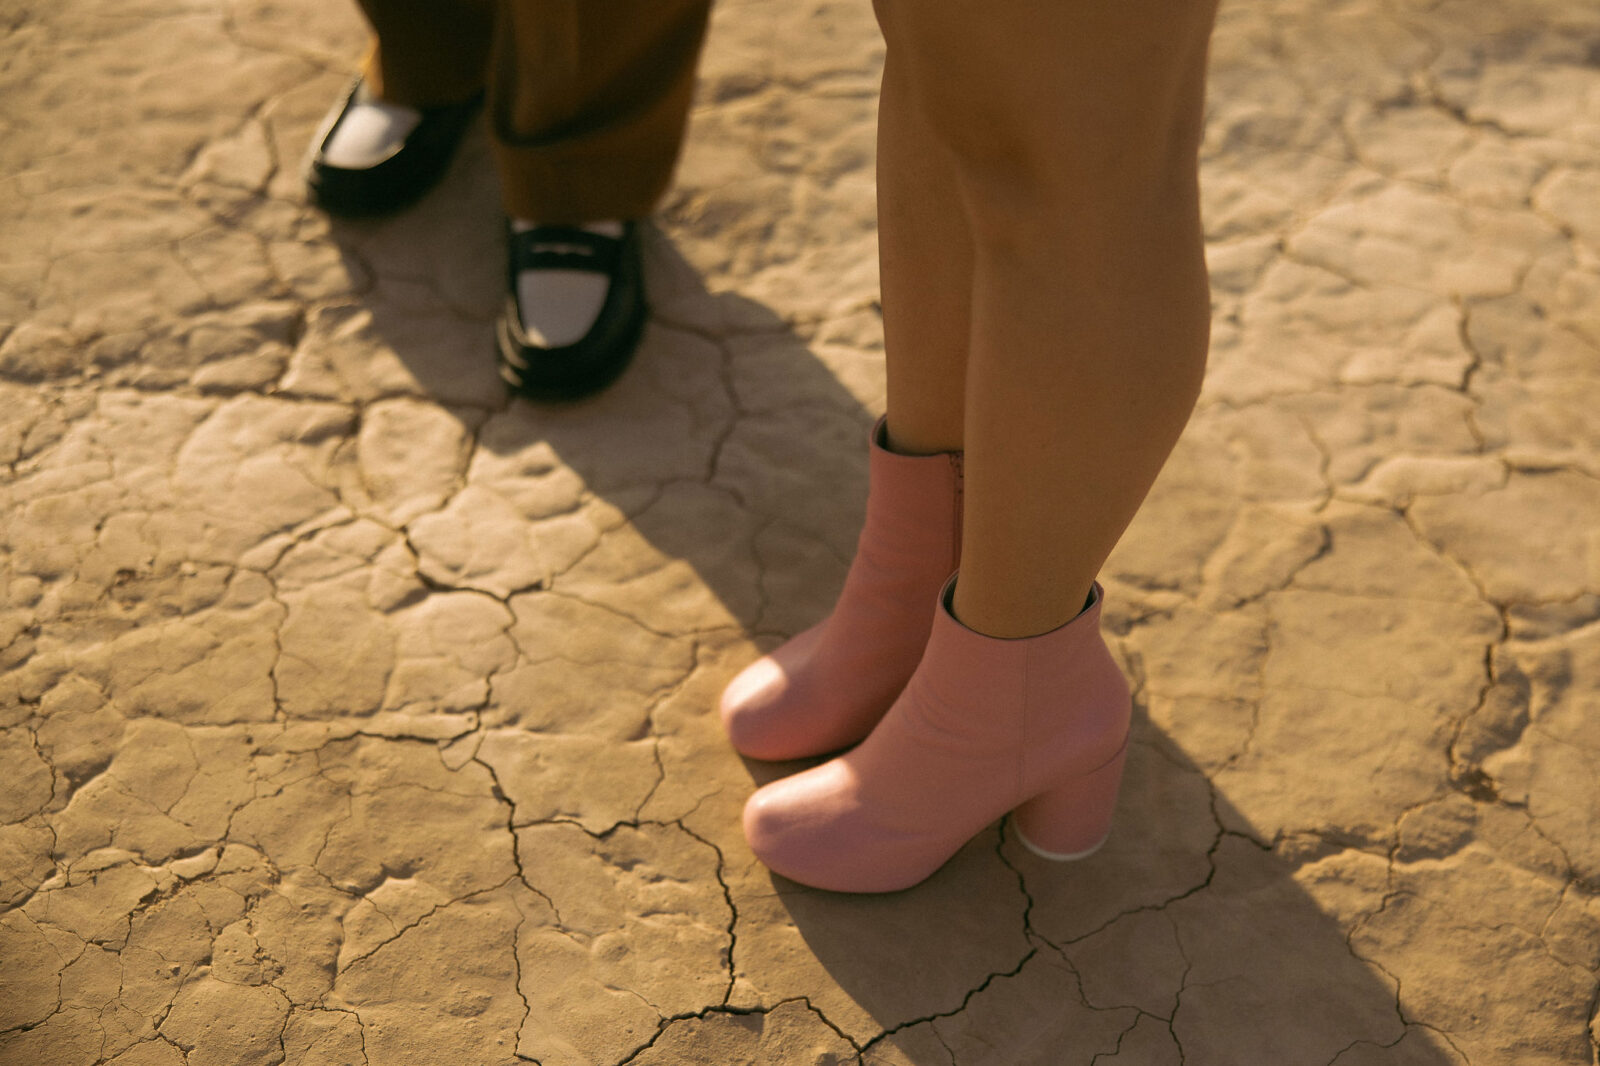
<point x="1036" y="726"/>
<point x="827" y="687"/>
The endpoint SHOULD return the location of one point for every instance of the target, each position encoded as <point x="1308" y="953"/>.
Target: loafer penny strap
<point x="563" y="248"/>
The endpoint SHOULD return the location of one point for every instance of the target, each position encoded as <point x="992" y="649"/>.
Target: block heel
<point x="1072" y="820"/>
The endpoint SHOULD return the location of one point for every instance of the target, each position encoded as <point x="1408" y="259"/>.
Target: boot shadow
<point x="1176" y="942"/>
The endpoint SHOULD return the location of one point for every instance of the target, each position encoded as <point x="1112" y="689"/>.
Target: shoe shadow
<point x="716" y="488"/>
<point x="734" y="454"/>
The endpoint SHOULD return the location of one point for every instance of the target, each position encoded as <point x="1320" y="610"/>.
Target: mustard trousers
<point x="586" y="99"/>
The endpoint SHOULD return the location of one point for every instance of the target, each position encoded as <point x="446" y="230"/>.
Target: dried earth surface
<point x="353" y="714"/>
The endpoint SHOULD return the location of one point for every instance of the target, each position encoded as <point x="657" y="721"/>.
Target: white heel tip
<point x="1058" y="856"/>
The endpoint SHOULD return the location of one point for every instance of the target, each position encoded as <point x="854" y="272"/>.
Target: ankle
<point x="603" y="227"/>
<point x="1013" y="615"/>
<point x="369" y="132"/>
<point x="558" y="307"/>
<point x="911" y="439"/>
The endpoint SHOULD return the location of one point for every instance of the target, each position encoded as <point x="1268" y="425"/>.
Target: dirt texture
<point x="352" y="714"/>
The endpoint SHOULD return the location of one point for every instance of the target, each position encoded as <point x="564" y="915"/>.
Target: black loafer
<point x="593" y="362"/>
<point x="392" y="183"/>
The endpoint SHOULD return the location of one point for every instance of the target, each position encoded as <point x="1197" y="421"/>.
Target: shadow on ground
<point x="731" y="447"/>
<point x="727" y="444"/>
<point x="1154" y="948"/>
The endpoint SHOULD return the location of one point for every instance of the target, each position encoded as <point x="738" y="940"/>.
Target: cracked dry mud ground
<point x="352" y="714"/>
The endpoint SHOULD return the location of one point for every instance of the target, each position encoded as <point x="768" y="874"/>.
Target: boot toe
<point x="751" y="708"/>
<point x="764" y="712"/>
<point x="792" y="824"/>
<point x="814" y="828"/>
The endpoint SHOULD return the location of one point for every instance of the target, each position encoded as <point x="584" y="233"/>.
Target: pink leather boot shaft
<point x="985" y="726"/>
<point x="827" y="687"/>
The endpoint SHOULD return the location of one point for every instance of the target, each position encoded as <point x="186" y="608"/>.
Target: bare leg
<point x="1073" y="129"/>
<point x="925" y="255"/>
<point x="828" y="687"/>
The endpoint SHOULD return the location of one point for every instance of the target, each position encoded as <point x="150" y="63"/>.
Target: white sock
<point x="558" y="307"/>
<point x="370" y="132"/>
